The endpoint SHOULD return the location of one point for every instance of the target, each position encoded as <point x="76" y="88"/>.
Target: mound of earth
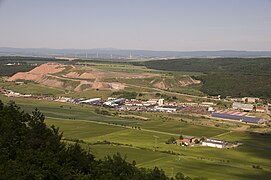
<point x="92" y="73"/>
<point x="75" y="78"/>
<point x="37" y="73"/>
<point x="188" y="81"/>
<point x="160" y="85"/>
<point x="175" y="82"/>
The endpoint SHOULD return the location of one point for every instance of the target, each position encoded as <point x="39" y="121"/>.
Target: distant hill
<point x="236" y="77"/>
<point x="127" y="54"/>
<point x="254" y="66"/>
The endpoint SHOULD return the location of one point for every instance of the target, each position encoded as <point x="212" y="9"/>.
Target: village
<point x="238" y="112"/>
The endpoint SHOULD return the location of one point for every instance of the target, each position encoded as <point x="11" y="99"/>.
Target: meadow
<point x="106" y="135"/>
<point x="193" y="161"/>
<point x="133" y="134"/>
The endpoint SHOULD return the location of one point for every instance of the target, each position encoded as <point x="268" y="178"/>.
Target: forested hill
<point x="236" y="77"/>
<point x="254" y="66"/>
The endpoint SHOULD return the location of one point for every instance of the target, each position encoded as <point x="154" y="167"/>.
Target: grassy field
<point x="156" y="122"/>
<point x="90" y="94"/>
<point x="32" y="88"/>
<point x="81" y="122"/>
<point x="193" y="161"/>
<point x="183" y="128"/>
<point x="116" y="67"/>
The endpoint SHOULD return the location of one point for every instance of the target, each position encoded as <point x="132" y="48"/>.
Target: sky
<point x="180" y="25"/>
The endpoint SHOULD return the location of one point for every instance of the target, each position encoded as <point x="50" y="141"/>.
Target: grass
<point x="121" y="67"/>
<point x="32" y="88"/>
<point x="91" y="94"/>
<point x="76" y="121"/>
<point x="183" y="128"/>
<point x="65" y="110"/>
<point x="192" y="161"/>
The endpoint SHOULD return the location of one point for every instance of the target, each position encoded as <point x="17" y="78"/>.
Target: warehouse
<point x="241" y="106"/>
<point x="214" y="143"/>
<point x="237" y="117"/>
<point x="91" y="101"/>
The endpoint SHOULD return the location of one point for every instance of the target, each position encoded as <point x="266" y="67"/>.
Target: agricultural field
<point x="119" y="67"/>
<point x="141" y="136"/>
<point x="106" y="135"/>
<point x="32" y="88"/>
<point x="140" y="146"/>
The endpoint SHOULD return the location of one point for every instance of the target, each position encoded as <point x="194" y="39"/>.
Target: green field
<point x="81" y="122"/>
<point x="119" y="67"/>
<point x="116" y="132"/>
<point x="193" y="161"/>
<point x="31" y="88"/>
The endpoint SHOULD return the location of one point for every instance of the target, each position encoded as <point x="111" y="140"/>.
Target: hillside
<point x="75" y="78"/>
<point x="254" y="66"/>
<point x="235" y="77"/>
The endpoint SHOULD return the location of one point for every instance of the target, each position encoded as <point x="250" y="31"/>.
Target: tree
<point x="179" y="176"/>
<point x="31" y="150"/>
<point x="197" y="141"/>
<point x="171" y="140"/>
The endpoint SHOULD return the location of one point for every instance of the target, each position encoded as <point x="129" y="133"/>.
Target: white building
<point x="211" y="109"/>
<point x="91" y="101"/>
<point x="214" y="143"/>
<point x="168" y="110"/>
<point x="160" y="102"/>
<point x="241" y="106"/>
<point x="115" y="102"/>
<point x="206" y="104"/>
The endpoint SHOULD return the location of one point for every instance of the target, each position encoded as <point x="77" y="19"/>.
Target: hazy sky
<point x="137" y="24"/>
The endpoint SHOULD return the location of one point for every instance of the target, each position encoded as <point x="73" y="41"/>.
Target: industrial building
<point x="91" y="101"/>
<point x="115" y="102"/>
<point x="168" y="110"/>
<point x="237" y="116"/>
<point x="241" y="106"/>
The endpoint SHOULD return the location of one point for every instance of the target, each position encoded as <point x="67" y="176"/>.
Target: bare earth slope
<point x="75" y="78"/>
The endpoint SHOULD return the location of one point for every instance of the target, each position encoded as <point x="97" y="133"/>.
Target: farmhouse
<point x="187" y="140"/>
<point x="214" y="143"/>
<point x="180" y="142"/>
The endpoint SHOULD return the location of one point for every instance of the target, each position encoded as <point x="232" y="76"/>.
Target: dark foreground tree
<point x="31" y="150"/>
